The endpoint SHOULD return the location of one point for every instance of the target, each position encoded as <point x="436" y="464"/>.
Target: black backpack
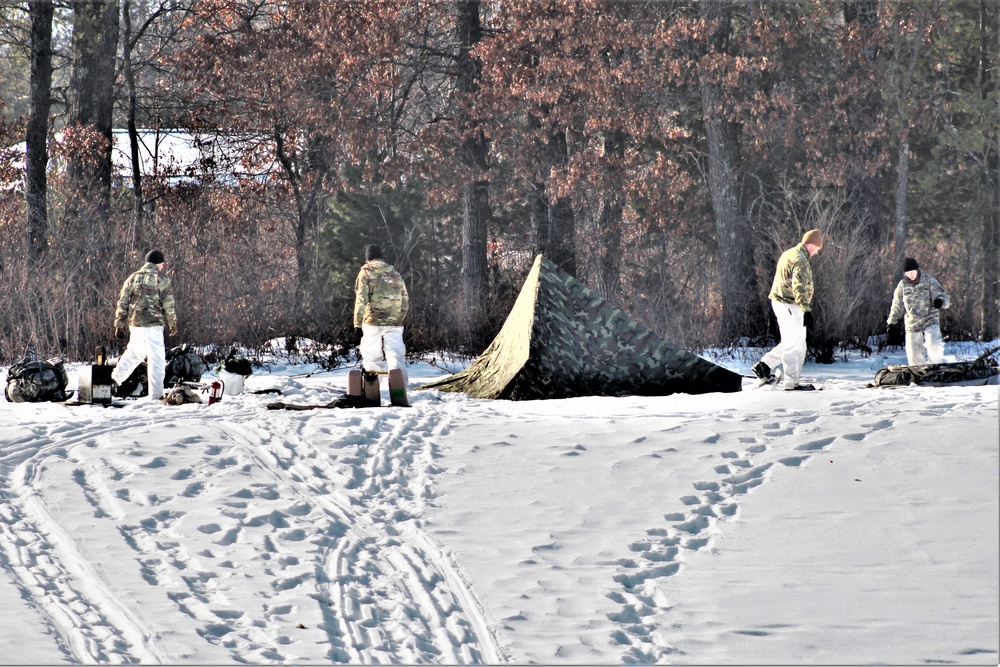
<point x="134" y="384"/>
<point x="237" y="366"/>
<point x="34" y="381"/>
<point x="183" y="365"/>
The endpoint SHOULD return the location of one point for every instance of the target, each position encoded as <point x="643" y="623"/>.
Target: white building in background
<point x="178" y="156"/>
<point x="186" y="157"/>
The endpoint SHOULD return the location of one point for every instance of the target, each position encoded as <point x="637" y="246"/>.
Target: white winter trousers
<point x="382" y="348"/>
<point x="144" y="343"/>
<point x="924" y="347"/>
<point x="790" y="353"/>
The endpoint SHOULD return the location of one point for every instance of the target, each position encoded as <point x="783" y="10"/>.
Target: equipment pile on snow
<point x="34" y="381"/>
<point x="979" y="371"/>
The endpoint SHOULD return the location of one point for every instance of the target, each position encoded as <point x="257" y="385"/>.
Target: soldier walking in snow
<point x="145" y="304"/>
<point x="380" y="306"/>
<point x="920" y="298"/>
<point x="791" y="299"/>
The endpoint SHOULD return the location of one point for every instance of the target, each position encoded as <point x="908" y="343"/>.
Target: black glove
<point x="119" y="333"/>
<point x="938" y="302"/>
<point x="358" y="333"/>
<point x="807" y="319"/>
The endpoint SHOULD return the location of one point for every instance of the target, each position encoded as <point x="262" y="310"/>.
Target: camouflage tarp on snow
<point x="562" y="340"/>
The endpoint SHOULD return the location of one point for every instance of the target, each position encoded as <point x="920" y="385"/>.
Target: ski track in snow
<point x="84" y="616"/>
<point x="350" y="483"/>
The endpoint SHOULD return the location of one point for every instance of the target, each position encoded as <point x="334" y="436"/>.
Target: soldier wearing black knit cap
<point x="145" y="306"/>
<point x="918" y="300"/>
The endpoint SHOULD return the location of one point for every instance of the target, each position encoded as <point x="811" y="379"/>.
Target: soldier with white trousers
<point x="919" y="299"/>
<point x="381" y="303"/>
<point x="791" y="300"/>
<point x="145" y="305"/>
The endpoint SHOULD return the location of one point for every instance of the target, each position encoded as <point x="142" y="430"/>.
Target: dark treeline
<point x="663" y="152"/>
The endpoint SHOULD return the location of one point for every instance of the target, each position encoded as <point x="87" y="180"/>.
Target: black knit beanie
<point x="154" y="257"/>
<point x="910" y="265"/>
<point x="373" y="252"/>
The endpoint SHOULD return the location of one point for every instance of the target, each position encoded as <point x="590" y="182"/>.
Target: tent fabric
<point x="562" y="340"/>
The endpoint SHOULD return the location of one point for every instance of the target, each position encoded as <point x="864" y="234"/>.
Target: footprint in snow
<point x="793" y="461"/>
<point x="822" y="443"/>
<point x="158" y="462"/>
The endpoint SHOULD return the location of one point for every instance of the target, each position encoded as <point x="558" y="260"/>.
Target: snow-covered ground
<point x="849" y="525"/>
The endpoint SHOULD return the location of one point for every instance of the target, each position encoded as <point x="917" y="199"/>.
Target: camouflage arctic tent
<point x="561" y="340"/>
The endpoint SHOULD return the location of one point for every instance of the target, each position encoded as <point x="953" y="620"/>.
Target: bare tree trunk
<point x="609" y="228"/>
<point x="902" y="182"/>
<point x="562" y="235"/>
<point x="560" y="244"/>
<point x="36" y="139"/>
<point x="539" y="218"/>
<point x="864" y="195"/>
<point x="742" y="313"/>
<point x="95" y="44"/>
<point x="903" y="94"/>
<point x="476" y="214"/>
<point x="307" y="191"/>
<point x="990" y="301"/>
<point x="133" y="133"/>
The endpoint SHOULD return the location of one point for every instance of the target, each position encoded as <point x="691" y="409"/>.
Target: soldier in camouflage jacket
<point x="380" y="306"/>
<point x="791" y="300"/>
<point x="918" y="300"/>
<point x="145" y="305"/>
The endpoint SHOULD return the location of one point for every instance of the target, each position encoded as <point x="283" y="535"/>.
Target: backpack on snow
<point x="34" y="381"/>
<point x="233" y="371"/>
<point x="183" y="365"/>
<point x="237" y="366"/>
<point x="893" y="376"/>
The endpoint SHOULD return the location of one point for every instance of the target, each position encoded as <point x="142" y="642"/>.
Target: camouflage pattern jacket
<point x="915" y="300"/>
<point x="793" y="279"/>
<point x="380" y="296"/>
<point x="146" y="300"/>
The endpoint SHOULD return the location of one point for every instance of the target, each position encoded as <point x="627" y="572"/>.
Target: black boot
<point x="762" y="371"/>
<point x="802" y="387"/>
